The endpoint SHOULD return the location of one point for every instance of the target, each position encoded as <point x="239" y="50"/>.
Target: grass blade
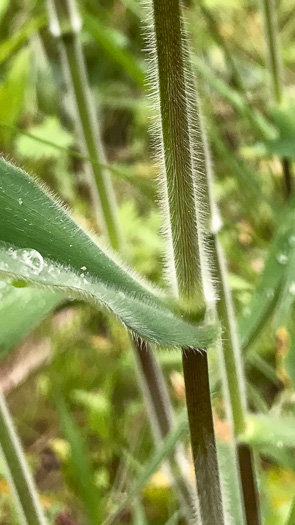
<point x="160" y="454"/>
<point x="80" y="464"/>
<point x="264" y="300"/>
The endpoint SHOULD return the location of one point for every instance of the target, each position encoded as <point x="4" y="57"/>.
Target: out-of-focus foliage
<point x="90" y="363"/>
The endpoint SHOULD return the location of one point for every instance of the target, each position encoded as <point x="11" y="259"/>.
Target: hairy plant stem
<point x="275" y="69"/>
<point x="151" y="379"/>
<point x="182" y="215"/>
<point x="22" y="484"/>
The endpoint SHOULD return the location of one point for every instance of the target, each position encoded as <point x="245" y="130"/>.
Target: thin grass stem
<point x="270" y="24"/>
<point x="65" y="26"/>
<point x="28" y="504"/>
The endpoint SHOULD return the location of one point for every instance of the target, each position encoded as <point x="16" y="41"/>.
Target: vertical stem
<point x="272" y="41"/>
<point x="195" y="368"/>
<point x="230" y="345"/>
<point x="29" y="508"/>
<point x="157" y="391"/>
<point x="234" y="383"/>
<point x="182" y="215"/>
<point x="229" y="349"/>
<point x="177" y="154"/>
<point x="65" y="24"/>
<point x="275" y="68"/>
<point x="249" y="488"/>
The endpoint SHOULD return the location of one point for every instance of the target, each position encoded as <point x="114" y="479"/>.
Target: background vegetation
<point x="71" y="383"/>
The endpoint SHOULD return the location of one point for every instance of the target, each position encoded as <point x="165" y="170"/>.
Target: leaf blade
<point x="35" y="230"/>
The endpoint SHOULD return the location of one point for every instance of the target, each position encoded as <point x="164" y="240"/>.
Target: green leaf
<point x="21" y="310"/>
<point x="275" y="271"/>
<point x="26" y="31"/>
<point x="50" y="131"/>
<point x="41" y="244"/>
<point x="12" y="91"/>
<point x="270" y="430"/>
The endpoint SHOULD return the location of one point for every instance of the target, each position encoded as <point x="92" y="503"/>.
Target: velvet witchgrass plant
<point x="69" y="263"/>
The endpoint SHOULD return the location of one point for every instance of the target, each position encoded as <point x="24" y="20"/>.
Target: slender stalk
<point x="249" y="489"/>
<point x="65" y="23"/>
<point x="177" y="155"/>
<point x="229" y="349"/>
<point x="185" y="242"/>
<point x="195" y="367"/>
<point x="29" y="508"/>
<point x="270" y="24"/>
<point x="272" y="42"/>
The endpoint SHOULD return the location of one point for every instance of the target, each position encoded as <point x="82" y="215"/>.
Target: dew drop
<point x="20" y="201"/>
<point x="292" y="288"/>
<point x="292" y="240"/>
<point x="32" y="259"/>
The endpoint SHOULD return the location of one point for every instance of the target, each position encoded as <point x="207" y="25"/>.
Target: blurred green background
<point x="74" y="375"/>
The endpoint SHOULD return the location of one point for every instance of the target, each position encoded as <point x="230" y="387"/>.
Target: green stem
<point x="179" y="189"/>
<point x="65" y="27"/>
<point x="29" y="508"/>
<point x="275" y="68"/>
<point x="230" y="346"/>
<point x="272" y="41"/>
<point x="183" y="220"/>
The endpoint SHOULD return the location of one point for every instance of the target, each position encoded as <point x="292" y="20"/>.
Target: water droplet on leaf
<point x="32" y="259"/>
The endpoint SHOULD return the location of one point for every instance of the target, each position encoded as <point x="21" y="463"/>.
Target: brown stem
<point x="249" y="488"/>
<point x="195" y="367"/>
